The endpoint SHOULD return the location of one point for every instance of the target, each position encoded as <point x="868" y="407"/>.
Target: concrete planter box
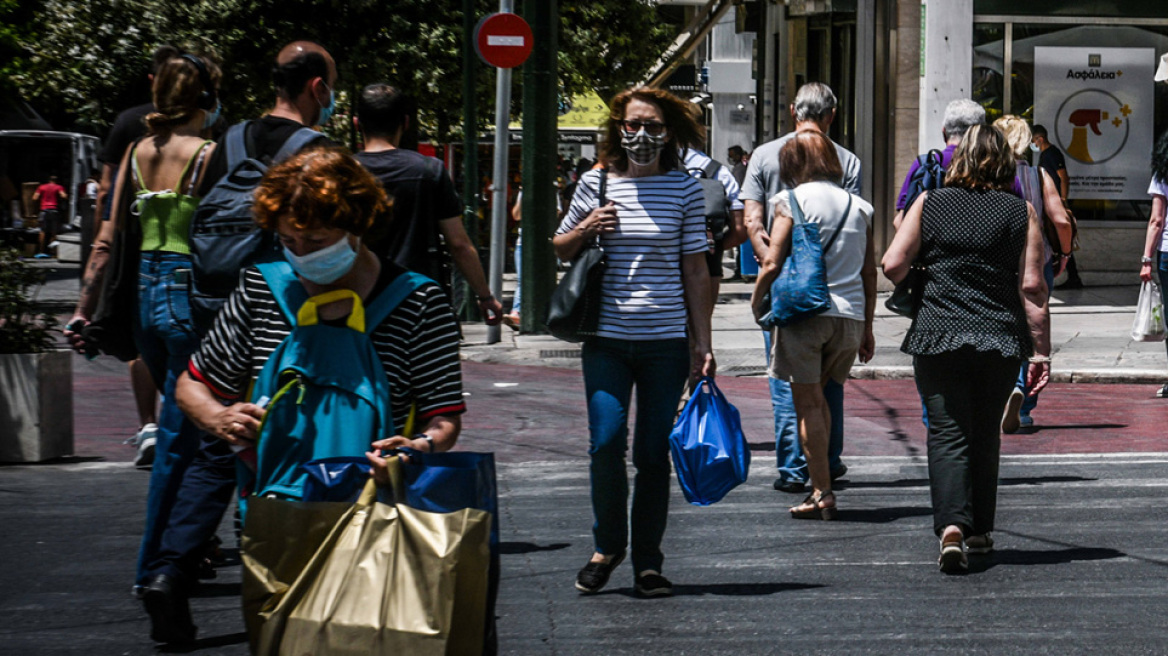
<point x="36" y="406"/>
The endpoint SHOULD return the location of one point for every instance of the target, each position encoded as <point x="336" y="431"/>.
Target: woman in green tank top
<point x="155" y="193"/>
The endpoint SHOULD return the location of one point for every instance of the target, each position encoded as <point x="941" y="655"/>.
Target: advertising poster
<point x="1097" y="105"/>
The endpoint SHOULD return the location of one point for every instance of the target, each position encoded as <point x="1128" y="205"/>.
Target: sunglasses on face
<point x="652" y="128"/>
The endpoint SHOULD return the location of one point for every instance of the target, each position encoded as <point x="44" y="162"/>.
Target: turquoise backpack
<point x="328" y="394"/>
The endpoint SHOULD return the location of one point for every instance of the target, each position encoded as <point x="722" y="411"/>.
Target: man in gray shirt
<point x="814" y="109"/>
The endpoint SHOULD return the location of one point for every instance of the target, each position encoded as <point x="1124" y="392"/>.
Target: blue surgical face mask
<point x="1034" y="147"/>
<point x="327" y="112"/>
<point x="212" y="117"/>
<point x="325" y="265"/>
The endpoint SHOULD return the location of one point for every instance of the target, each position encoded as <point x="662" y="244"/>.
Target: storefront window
<point x="988" y="49"/>
<point x="1098" y="8"/>
<point x="1104" y="184"/>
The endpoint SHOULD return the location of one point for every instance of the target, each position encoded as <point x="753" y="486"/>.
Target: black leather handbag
<point x="574" y="310"/>
<point x="906" y="297"/>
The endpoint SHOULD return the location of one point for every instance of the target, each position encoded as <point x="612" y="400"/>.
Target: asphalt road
<point x="1079" y="567"/>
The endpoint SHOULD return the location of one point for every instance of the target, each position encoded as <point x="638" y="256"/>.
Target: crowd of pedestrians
<point x="351" y="226"/>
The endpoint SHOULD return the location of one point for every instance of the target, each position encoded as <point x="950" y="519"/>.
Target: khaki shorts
<point x="815" y="349"/>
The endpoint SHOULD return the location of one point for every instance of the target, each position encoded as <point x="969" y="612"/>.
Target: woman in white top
<point x="1155" y="257"/>
<point x="655" y="295"/>
<point x="806" y="354"/>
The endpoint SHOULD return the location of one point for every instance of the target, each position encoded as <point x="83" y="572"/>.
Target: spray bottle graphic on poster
<point x="1097" y="105"/>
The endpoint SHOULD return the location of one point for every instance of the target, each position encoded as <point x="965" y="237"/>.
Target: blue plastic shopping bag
<point x="710" y="453"/>
<point x="335" y="479"/>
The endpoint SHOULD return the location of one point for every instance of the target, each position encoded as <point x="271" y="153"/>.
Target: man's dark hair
<point x="383" y="109"/>
<point x="291" y="77"/>
<point x="52" y="178"/>
<point x="736" y="151"/>
<point x="1039" y="131"/>
<point x="162" y="54"/>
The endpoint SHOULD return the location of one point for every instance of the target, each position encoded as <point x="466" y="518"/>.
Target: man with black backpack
<point x="724" y="222"/>
<point x="224" y="241"/>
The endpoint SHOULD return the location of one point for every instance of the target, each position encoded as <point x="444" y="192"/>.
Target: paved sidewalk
<point x="1090" y="335"/>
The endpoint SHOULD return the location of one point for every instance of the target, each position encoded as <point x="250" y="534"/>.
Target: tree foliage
<point x="23" y="329"/>
<point x="88" y="60"/>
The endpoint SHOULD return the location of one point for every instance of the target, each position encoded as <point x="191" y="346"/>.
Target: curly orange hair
<point x="321" y="188"/>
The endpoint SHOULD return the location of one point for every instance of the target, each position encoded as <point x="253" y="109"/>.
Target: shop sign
<point x="1097" y="104"/>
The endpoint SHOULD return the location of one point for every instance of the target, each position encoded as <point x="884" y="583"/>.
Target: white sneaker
<point x="145" y="439"/>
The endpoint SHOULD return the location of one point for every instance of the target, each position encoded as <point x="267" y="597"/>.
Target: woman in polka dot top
<point x="983" y="312"/>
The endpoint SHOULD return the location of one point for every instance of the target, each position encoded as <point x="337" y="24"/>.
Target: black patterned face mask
<point x="643" y="148"/>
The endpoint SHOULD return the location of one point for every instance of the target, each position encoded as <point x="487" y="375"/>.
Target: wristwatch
<point x="1146" y="260"/>
<point x="428" y="438"/>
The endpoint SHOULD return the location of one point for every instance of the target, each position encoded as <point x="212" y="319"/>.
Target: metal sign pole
<point x="499" y="193"/>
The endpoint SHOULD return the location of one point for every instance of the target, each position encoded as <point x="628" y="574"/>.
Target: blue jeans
<point x="518" y="274"/>
<point x="166" y="339"/>
<point x="659" y="370"/>
<point x="788" y="454"/>
<point x="1031" y="401"/>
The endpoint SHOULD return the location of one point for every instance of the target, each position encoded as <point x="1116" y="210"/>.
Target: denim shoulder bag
<point x="800" y="292"/>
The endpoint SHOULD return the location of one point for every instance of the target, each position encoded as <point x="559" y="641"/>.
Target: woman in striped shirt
<point x="655" y="296"/>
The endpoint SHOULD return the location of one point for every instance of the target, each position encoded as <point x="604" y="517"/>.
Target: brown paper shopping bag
<point x="388" y="579"/>
<point x="280" y="538"/>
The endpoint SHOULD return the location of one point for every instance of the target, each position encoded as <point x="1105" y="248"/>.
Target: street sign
<point x="503" y="40"/>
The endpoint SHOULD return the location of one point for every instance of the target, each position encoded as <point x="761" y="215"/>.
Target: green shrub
<point x="22" y="328"/>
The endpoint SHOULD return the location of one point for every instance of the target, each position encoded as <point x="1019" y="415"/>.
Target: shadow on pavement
<point x="881" y="515"/>
<point x="1039" y="428"/>
<point x="725" y="589"/>
<point x="205" y="643"/>
<point x="1040" y="557"/>
<point x="515" y="548"/>
<point x="64" y="460"/>
<point x="208" y="590"/>
<point x="924" y="482"/>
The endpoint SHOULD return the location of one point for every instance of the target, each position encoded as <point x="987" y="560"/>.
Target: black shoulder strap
<point x="711" y="169"/>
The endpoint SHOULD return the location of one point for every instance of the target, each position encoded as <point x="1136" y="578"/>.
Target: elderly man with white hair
<point x="960" y="115"/>
<point x="814" y="110"/>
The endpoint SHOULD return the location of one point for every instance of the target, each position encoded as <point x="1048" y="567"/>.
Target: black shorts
<point x="50" y="221"/>
<point x="714" y="260"/>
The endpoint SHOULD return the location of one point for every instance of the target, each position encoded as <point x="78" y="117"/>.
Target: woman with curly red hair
<point x="320" y="204"/>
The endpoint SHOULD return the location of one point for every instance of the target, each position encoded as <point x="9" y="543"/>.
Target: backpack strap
<point x="392" y="296"/>
<point x="286" y="288"/>
<point x="294" y="143"/>
<point x="236" y="144"/>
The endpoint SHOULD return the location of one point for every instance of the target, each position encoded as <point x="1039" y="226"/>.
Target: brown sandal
<point x="814" y="507"/>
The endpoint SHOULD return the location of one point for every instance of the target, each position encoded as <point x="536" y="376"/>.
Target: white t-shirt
<point x="1159" y="188"/>
<point x="824" y="203"/>
<point x="659" y="219"/>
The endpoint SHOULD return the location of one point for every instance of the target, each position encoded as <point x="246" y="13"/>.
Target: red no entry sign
<point x="503" y="40"/>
